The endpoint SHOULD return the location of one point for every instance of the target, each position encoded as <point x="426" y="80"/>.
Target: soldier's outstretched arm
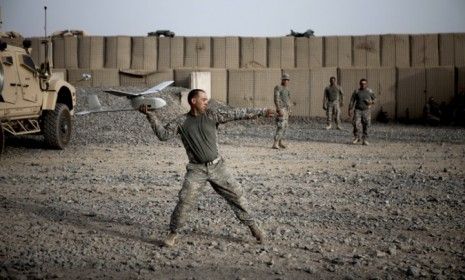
<point x="163" y="132"/>
<point x="224" y="115"/>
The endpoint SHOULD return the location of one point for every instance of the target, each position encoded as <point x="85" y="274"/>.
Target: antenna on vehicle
<point x="45" y="20"/>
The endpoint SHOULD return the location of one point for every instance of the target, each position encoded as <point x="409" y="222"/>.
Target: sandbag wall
<point x="403" y="70"/>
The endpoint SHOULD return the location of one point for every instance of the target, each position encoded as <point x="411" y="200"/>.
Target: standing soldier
<point x="332" y="101"/>
<point x="197" y="129"/>
<point x="282" y="100"/>
<point x="361" y="99"/>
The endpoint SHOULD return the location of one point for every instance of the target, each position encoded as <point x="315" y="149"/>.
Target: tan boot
<point x="170" y="239"/>
<point x="257" y="233"/>
<point x="328" y="127"/>
<point x="281" y="144"/>
<point x="275" y="145"/>
<point x="356" y="140"/>
<point x="365" y="142"/>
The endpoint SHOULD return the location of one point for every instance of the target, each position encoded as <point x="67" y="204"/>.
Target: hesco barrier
<point x="144" y="53"/>
<point x="461" y="80"/>
<point x="386" y="61"/>
<point x="118" y="52"/>
<point x="91" y="52"/>
<point x="225" y="52"/>
<point x="219" y="81"/>
<point x="38" y="51"/>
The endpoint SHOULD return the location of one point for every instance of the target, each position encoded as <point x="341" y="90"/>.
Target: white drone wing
<point x="154" y="89"/>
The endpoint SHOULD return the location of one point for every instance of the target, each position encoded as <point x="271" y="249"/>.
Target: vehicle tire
<point x="2" y="139"/>
<point x="57" y="127"/>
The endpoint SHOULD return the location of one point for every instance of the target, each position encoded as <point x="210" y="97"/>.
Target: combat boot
<point x="338" y="127"/>
<point x="328" y="127"/>
<point x="365" y="142"/>
<point x="281" y="145"/>
<point x="170" y="239"/>
<point x="257" y="233"/>
<point x="275" y="145"/>
<point x="356" y="140"/>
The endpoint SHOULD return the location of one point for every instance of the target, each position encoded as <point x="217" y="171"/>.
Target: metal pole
<point x="45" y="25"/>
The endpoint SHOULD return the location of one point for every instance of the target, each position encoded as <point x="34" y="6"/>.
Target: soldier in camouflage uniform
<point x="197" y="130"/>
<point x="361" y="100"/>
<point x="332" y="101"/>
<point x="282" y="100"/>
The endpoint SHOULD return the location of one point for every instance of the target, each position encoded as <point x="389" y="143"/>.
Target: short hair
<point x="192" y="94"/>
<point x="332" y="77"/>
<point x="363" y="80"/>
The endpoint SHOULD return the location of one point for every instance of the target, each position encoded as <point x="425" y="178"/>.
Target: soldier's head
<point x="198" y="100"/>
<point x="285" y="79"/>
<point x="363" y="83"/>
<point x="332" y="80"/>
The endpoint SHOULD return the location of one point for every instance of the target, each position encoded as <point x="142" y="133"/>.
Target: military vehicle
<point x="159" y="33"/>
<point x="32" y="99"/>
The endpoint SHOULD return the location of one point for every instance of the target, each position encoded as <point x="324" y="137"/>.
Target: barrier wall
<point x="383" y="83"/>
<point x="299" y="87"/>
<point x="118" y="52"/>
<point x="349" y="81"/>
<point x="309" y="52"/>
<point x="144" y="53"/>
<point x="170" y="52"/>
<point x="105" y="77"/>
<point x="253" y="52"/>
<point x="440" y="83"/>
<point x="225" y="52"/>
<point x="159" y="76"/>
<point x="460" y="80"/>
<point x="410" y="95"/>
<point x="446" y="49"/>
<point x="38" y="51"/>
<point x="319" y="79"/>
<point x="281" y="52"/>
<point x="424" y="50"/>
<point x="91" y="52"/>
<point x="240" y="87"/>
<point x="65" y="54"/>
<point x="265" y="81"/>
<point x="197" y="52"/>
<point x="459" y="49"/>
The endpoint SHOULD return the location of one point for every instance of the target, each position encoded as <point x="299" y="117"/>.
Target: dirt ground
<point x="331" y="210"/>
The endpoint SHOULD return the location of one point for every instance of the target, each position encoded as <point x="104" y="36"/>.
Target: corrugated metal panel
<point x="388" y="50"/>
<point x="164" y="53"/>
<point x="144" y="53"/>
<point x="91" y="51"/>
<point x="349" y="80"/>
<point x="383" y="82"/>
<point x="410" y="97"/>
<point x="160" y="76"/>
<point x="302" y="52"/>
<point x="265" y="80"/>
<point x="402" y="51"/>
<point x="71" y="52"/>
<point x="319" y="79"/>
<point x="240" y="87"/>
<point x="232" y="52"/>
<point x="316" y="52"/>
<point x="344" y="51"/>
<point x="440" y="83"/>
<point x="417" y="44"/>
<point x="446" y="49"/>
<point x="373" y="51"/>
<point x="177" y="52"/>
<point x="459" y="42"/>
<point x="274" y="52"/>
<point x="59" y="52"/>
<point x="118" y="52"/>
<point x="299" y="86"/>
<point x="431" y="50"/>
<point x="359" y="50"/>
<point x="105" y="77"/>
<point x="330" y="51"/>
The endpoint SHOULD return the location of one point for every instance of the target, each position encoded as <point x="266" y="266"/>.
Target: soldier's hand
<point x="280" y="112"/>
<point x="143" y="109"/>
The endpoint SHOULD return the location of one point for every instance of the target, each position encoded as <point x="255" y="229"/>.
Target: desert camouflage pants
<point x="281" y="125"/>
<point x="333" y="109"/>
<point x="223" y="183"/>
<point x="362" y="118"/>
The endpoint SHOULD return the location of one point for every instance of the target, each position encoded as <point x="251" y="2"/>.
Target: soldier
<point x="332" y="101"/>
<point x="282" y="100"/>
<point x="361" y="99"/>
<point x="197" y="130"/>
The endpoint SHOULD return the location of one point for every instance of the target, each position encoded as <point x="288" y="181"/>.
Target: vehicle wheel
<point x="2" y="139"/>
<point x="57" y="127"/>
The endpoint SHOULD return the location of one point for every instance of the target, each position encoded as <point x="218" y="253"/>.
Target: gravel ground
<point x="100" y="208"/>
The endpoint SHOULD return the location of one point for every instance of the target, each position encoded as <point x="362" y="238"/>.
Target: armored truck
<point x="32" y="99"/>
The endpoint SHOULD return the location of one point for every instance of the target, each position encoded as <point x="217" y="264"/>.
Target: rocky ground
<point x="100" y="208"/>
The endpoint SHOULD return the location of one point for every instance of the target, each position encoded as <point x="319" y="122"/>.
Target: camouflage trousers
<point x="223" y="183"/>
<point x="333" y="109"/>
<point x="282" y="124"/>
<point x="362" y="118"/>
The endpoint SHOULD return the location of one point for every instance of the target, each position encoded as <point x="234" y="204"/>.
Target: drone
<point x="136" y="99"/>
